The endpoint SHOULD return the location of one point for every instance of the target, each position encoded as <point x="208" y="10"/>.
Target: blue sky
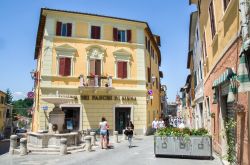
<point x="19" y="22"/>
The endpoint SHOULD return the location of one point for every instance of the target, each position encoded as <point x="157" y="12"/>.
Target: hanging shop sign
<point x="104" y="97"/>
<point x="45" y="108"/>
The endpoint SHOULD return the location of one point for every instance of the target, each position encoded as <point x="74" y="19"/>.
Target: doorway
<point x="122" y="118"/>
<point x="201" y="115"/>
<point x="72" y="118"/>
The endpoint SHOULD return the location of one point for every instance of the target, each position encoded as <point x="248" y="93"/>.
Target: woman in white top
<point x="103" y="133"/>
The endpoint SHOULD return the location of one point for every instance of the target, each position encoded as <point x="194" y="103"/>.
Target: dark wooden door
<point x="122" y="117"/>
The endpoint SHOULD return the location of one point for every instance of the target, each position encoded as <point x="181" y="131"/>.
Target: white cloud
<point x="18" y="95"/>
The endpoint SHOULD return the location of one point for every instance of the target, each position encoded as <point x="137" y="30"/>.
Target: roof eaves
<point x="98" y="15"/>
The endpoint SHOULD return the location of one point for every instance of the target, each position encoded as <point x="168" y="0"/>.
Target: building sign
<point x="104" y="97"/>
<point x="45" y="108"/>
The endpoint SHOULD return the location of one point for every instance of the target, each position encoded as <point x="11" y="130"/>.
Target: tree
<point x="22" y="106"/>
<point x="9" y="96"/>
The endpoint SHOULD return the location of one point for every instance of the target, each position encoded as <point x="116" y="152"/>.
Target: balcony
<point x="95" y="82"/>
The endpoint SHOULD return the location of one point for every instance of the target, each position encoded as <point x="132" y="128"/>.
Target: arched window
<point x="65" y="60"/>
<point x="122" y="63"/>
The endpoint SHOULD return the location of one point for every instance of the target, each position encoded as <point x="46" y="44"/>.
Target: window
<point x="146" y="42"/>
<point x="95" y="67"/>
<point x="156" y="82"/>
<point x="95" y="32"/>
<point x="149" y="46"/>
<point x="195" y="79"/>
<point x="122" y="69"/>
<point x="208" y="106"/>
<point x="204" y="46"/>
<point x="149" y="74"/>
<point x="64" y="66"/>
<point x="201" y="71"/>
<point x="121" y="35"/>
<point x="8" y="113"/>
<point x="63" y="29"/>
<point x="199" y="6"/>
<point x="2" y="100"/>
<point x="197" y="35"/>
<point x="226" y="2"/>
<point x="212" y="22"/>
<point x="153" y="53"/>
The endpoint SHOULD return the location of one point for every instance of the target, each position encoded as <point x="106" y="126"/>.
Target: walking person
<point x="161" y="123"/>
<point x="129" y="132"/>
<point x="103" y="133"/>
<point x="155" y="125"/>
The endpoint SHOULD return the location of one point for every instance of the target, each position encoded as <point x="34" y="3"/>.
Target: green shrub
<point x="185" y="132"/>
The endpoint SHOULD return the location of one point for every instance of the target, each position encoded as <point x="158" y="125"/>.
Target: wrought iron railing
<point x="95" y="81"/>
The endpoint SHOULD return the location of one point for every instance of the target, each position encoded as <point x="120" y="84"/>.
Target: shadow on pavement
<point x="186" y="157"/>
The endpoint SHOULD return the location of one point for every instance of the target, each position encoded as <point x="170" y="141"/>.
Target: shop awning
<point x="227" y="76"/>
<point x="243" y="70"/>
<point x="223" y="77"/>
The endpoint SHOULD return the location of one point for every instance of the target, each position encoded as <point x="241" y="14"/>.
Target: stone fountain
<point x="57" y="116"/>
<point x="52" y="138"/>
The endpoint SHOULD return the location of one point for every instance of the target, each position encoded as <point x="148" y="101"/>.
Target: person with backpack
<point x="129" y="132"/>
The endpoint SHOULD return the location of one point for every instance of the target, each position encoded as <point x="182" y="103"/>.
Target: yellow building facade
<point x="3" y="109"/>
<point x="110" y="66"/>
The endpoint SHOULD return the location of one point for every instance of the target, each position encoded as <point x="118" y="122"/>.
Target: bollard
<point x="63" y="146"/>
<point x="88" y="142"/>
<point x="13" y="144"/>
<point x="115" y="136"/>
<point x="124" y="136"/>
<point x="23" y="146"/>
<point x="92" y="134"/>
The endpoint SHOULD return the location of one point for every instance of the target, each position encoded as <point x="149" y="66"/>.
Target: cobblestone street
<point x="142" y="153"/>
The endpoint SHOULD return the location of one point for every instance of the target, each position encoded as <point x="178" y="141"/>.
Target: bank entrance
<point x="122" y="118"/>
<point x="72" y="118"/>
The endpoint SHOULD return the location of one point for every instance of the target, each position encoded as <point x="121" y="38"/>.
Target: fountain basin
<point x="51" y="140"/>
<point x="57" y="100"/>
<point x="56" y="116"/>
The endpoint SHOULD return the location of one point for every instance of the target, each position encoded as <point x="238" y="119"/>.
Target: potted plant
<point x="183" y="142"/>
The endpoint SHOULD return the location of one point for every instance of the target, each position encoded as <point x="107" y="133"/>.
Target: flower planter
<point x="193" y="146"/>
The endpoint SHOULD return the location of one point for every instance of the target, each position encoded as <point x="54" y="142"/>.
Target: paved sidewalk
<point x="142" y="153"/>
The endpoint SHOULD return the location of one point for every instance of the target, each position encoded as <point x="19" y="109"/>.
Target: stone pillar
<point x="23" y="146"/>
<point x="124" y="136"/>
<point x="50" y="127"/>
<point x="88" y="142"/>
<point x="92" y="134"/>
<point x="13" y="144"/>
<point x="63" y="146"/>
<point x="115" y="136"/>
<point x="96" y="81"/>
<point x="110" y="81"/>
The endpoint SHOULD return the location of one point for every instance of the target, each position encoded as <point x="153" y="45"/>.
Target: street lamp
<point x="32" y="74"/>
